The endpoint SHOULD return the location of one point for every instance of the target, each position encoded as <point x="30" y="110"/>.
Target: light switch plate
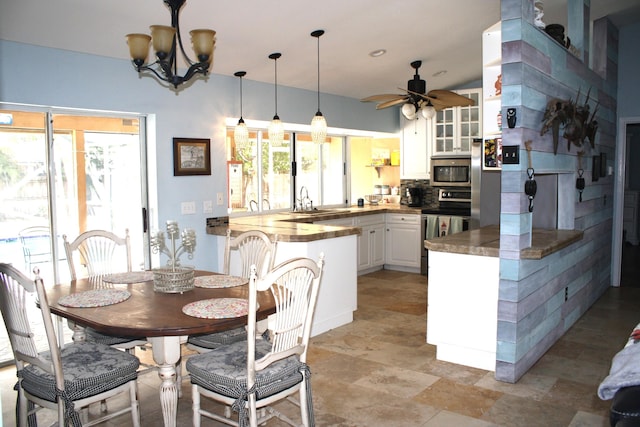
<point x="510" y="154"/>
<point x="188" y="208"/>
<point x="207" y="206"/>
<point x="220" y="199"/>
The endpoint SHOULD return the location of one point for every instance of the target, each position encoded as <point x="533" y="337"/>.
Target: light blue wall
<point x="628" y="75"/>
<point x="50" y="77"/>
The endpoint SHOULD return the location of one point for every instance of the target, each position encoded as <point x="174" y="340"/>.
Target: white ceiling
<point x="445" y="35"/>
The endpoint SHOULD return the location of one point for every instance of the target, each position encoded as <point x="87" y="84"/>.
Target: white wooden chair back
<point x="294" y="285"/>
<point x="254" y="248"/>
<point x="18" y="298"/>
<point x="99" y="251"/>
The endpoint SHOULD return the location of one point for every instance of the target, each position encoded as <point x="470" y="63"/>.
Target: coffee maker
<point x="414" y="196"/>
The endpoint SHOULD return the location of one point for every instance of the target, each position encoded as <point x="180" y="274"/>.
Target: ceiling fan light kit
<point x="241" y="132"/>
<point x="318" y="123"/>
<point x="166" y="40"/>
<point x="276" y="129"/>
<point x="416" y="99"/>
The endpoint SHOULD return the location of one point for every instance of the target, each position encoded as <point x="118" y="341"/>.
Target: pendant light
<point x="276" y="129"/>
<point x="241" y="132"/>
<point x="318" y="123"/>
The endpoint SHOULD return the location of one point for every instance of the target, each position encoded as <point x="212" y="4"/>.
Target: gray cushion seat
<point x="224" y="371"/>
<point x="89" y="368"/>
<point x="97" y="337"/>
<point x="211" y="341"/>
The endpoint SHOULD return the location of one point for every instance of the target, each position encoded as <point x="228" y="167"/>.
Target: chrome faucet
<point x="305" y="202"/>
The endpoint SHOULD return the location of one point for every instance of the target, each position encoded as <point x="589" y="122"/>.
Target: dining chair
<point x="101" y="252"/>
<point x="36" y="245"/>
<point x="255" y="374"/>
<point x="63" y="379"/>
<point x="253" y="248"/>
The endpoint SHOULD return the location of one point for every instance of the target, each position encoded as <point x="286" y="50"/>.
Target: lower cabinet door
<point x="403" y="245"/>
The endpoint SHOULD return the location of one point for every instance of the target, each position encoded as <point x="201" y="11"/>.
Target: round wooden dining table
<point x="156" y="316"/>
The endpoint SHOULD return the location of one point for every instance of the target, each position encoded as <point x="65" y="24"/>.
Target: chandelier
<point x="166" y="41"/>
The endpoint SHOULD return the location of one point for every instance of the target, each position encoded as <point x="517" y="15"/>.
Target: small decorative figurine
<point x="539" y="13"/>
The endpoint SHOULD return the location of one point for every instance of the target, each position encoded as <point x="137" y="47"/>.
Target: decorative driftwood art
<point x="578" y="122"/>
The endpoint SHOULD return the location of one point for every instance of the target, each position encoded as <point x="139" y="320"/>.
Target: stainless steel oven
<point x="451" y="172"/>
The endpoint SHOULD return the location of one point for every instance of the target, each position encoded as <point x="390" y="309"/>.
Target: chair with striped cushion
<point x="95" y="253"/>
<point x="253" y="248"/>
<point x="254" y="374"/>
<point x="63" y="379"/>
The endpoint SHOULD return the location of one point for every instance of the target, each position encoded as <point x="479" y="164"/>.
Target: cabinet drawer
<point x="403" y="219"/>
<point x="369" y="220"/>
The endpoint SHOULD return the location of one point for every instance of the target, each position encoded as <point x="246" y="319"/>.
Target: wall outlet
<point x="220" y="199"/>
<point x="510" y="154"/>
<point x="207" y="206"/>
<point x="188" y="208"/>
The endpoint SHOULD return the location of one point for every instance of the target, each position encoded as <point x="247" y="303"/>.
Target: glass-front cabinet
<point x="455" y="128"/>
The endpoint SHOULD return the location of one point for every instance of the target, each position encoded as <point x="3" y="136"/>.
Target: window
<point x="259" y="180"/>
<point x="262" y="180"/>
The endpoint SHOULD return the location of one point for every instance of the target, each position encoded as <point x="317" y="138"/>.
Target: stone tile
<point x="529" y="386"/>
<point x="514" y="411"/>
<point x="585" y="419"/>
<point x="463" y="399"/>
<point x="397" y="381"/>
<point x="577" y="395"/>
<point x="366" y="407"/>
<point x="449" y="419"/>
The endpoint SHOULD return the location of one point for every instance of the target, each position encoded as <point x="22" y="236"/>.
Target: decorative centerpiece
<point x="173" y="278"/>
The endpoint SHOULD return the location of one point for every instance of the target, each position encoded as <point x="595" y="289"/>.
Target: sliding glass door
<point x="63" y="174"/>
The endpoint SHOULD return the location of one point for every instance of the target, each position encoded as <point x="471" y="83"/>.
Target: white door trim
<point x="618" y="197"/>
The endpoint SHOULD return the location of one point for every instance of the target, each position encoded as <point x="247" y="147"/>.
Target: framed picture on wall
<point x="191" y="156"/>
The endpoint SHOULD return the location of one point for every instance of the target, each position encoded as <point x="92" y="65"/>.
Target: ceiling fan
<point x="416" y="99"/>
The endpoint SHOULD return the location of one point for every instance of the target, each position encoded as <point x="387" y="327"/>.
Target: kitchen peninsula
<point x="333" y="232"/>
<point x="464" y="279"/>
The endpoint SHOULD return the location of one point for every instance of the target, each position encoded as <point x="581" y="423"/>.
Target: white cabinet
<point x="414" y="148"/>
<point x="455" y="128"/>
<point x="371" y="241"/>
<point x="404" y="240"/>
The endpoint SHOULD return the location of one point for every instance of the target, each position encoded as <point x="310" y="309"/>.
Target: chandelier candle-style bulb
<point x="139" y="48"/>
<point x="203" y="42"/>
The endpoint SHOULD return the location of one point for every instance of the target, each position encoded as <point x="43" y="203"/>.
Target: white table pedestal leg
<point x="166" y="353"/>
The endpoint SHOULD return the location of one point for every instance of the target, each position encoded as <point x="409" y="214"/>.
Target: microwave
<point x="451" y="172"/>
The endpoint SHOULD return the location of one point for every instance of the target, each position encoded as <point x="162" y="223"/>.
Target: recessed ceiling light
<point x="377" y="52"/>
<point x="439" y="73"/>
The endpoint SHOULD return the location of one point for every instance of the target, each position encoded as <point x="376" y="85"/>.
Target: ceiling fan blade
<point x="382" y="97"/>
<point x="451" y="99"/>
<point x="391" y="103"/>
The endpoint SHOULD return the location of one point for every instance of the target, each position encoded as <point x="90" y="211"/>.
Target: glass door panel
<point x="89" y="176"/>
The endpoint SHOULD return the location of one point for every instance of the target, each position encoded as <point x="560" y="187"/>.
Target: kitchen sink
<point x="314" y="212"/>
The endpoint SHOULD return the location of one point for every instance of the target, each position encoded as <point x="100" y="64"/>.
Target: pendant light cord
<point x="319" y="72"/>
<point x="317" y="34"/>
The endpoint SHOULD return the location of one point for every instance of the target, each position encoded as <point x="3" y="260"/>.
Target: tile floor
<point x="378" y="370"/>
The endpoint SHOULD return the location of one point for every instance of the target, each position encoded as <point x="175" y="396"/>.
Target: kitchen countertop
<point x="485" y="241"/>
<point x="300" y="227"/>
